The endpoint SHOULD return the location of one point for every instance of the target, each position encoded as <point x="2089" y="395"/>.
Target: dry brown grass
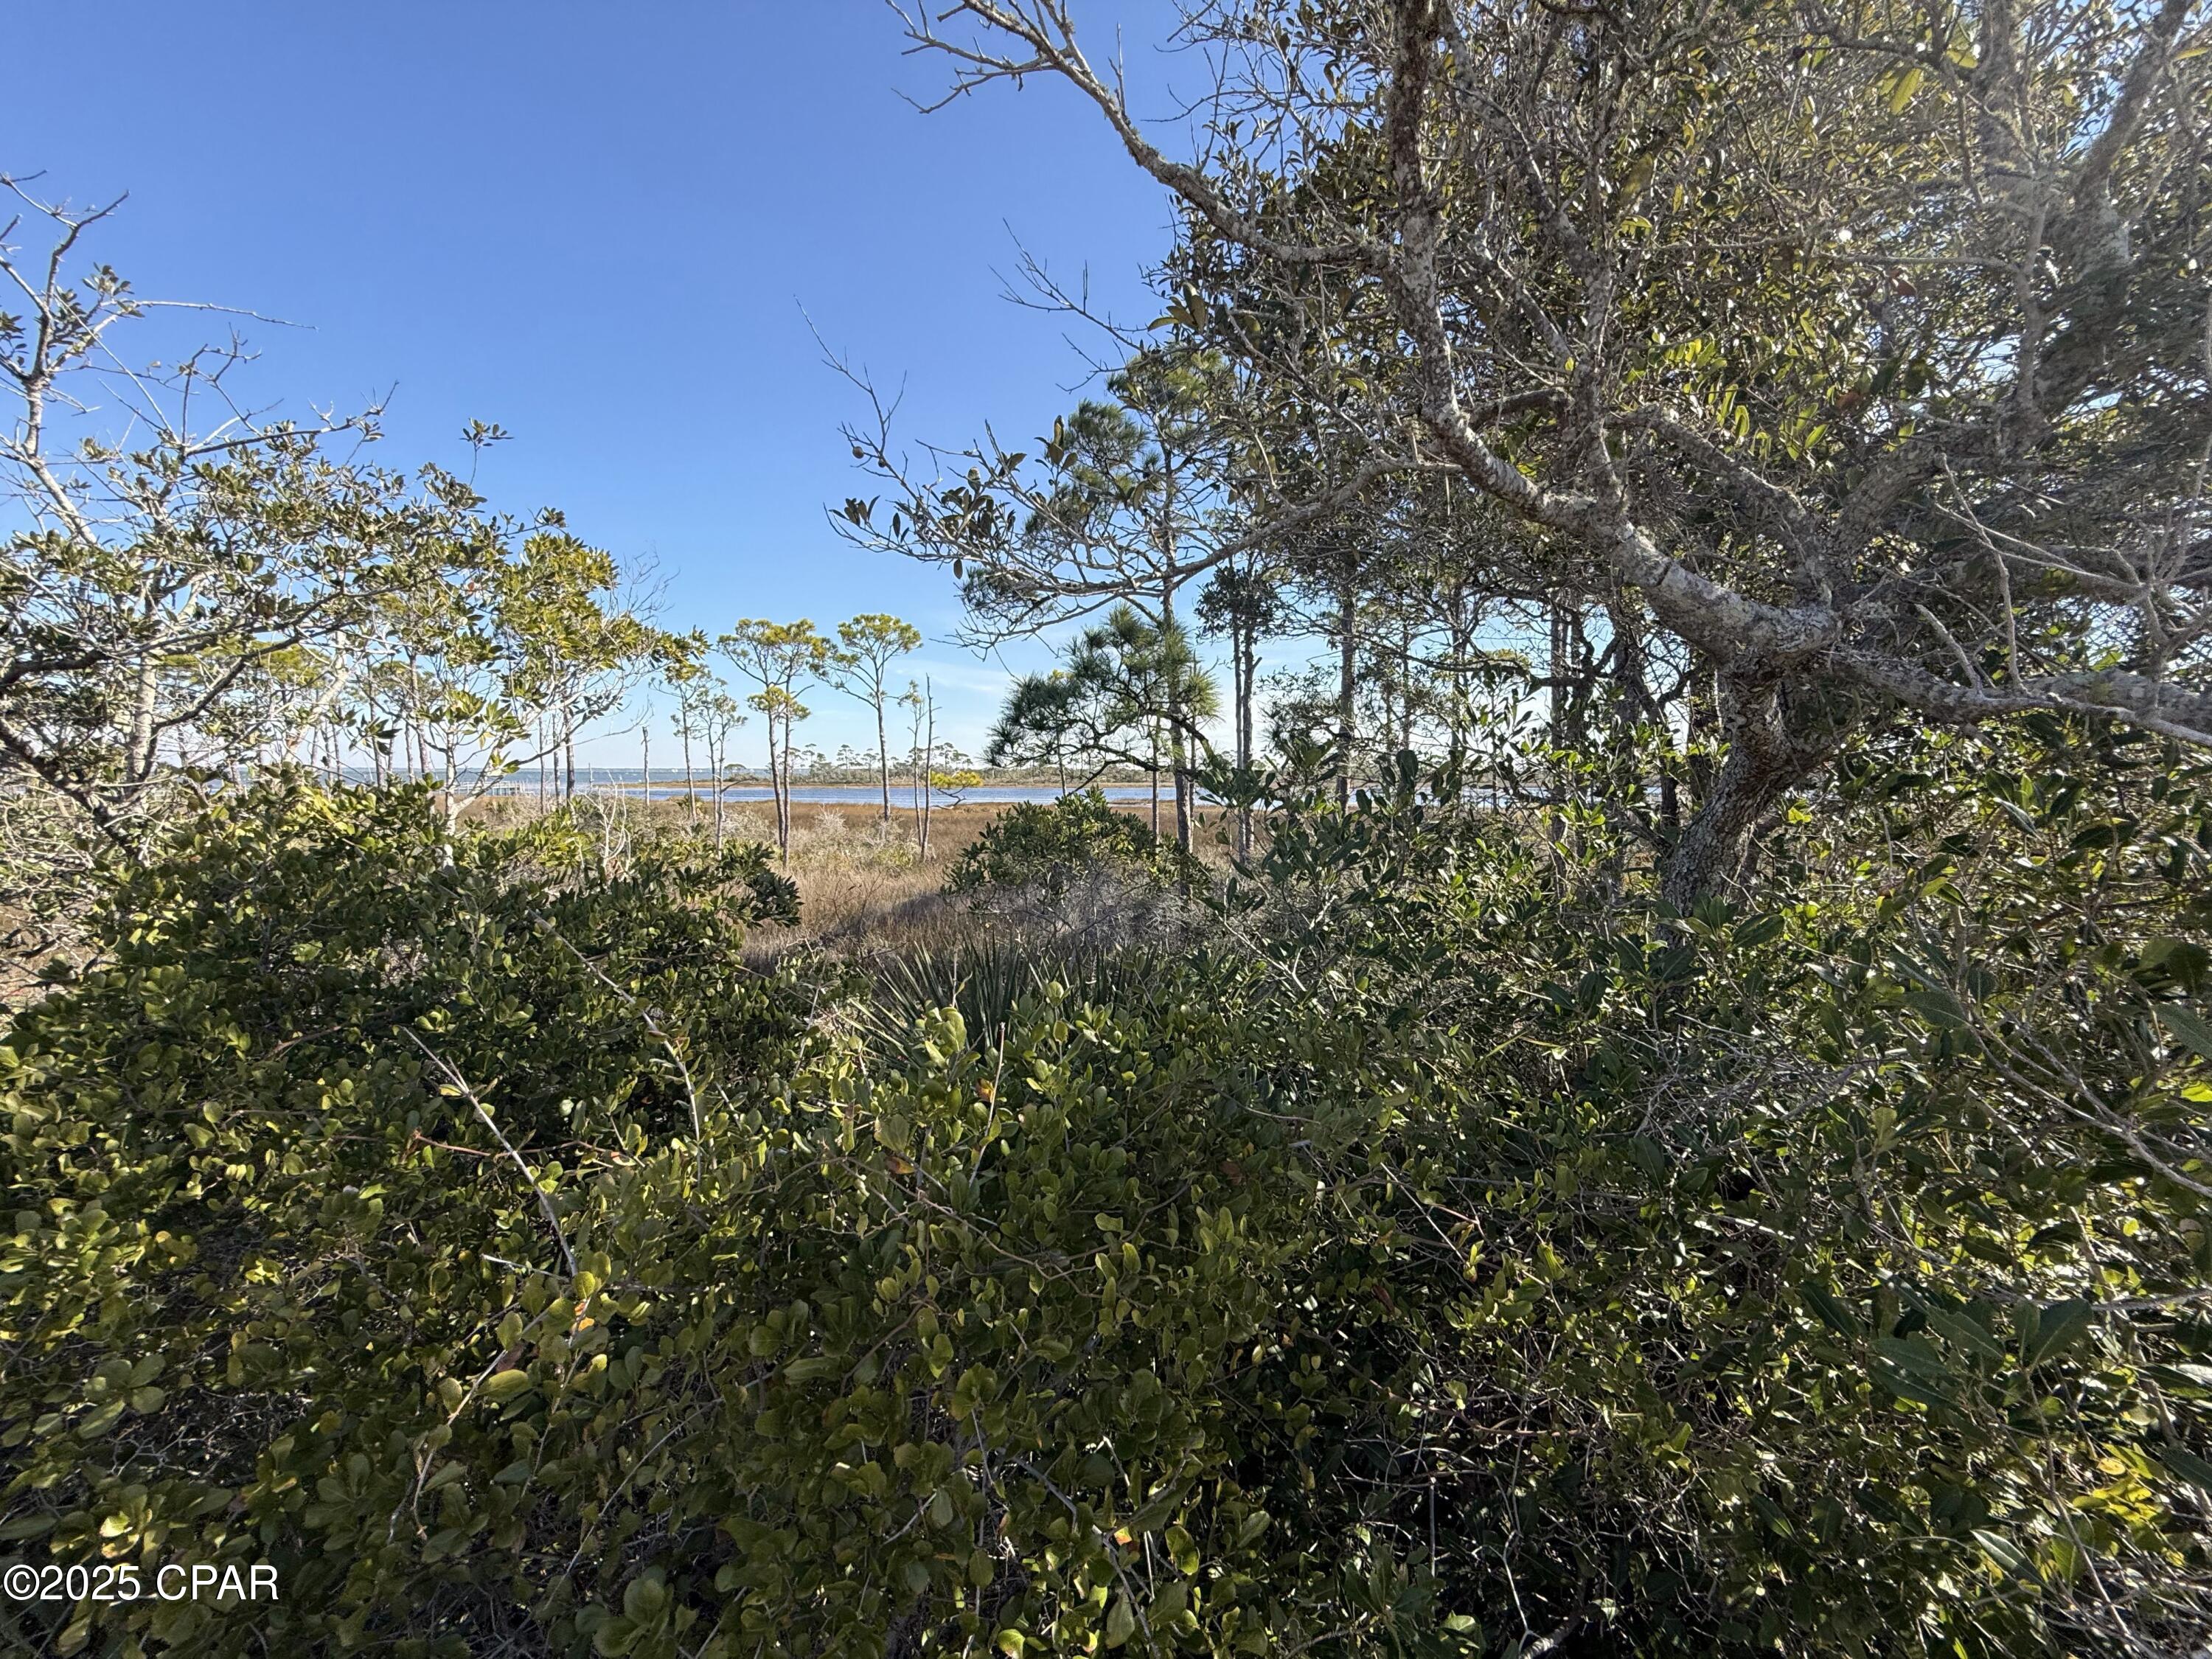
<point x="862" y="884"/>
<point x="863" y="887"/>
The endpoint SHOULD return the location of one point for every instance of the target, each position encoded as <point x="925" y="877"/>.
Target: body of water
<point x="840" y="794"/>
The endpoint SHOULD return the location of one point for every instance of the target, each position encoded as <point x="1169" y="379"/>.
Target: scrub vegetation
<point x="1646" y="1088"/>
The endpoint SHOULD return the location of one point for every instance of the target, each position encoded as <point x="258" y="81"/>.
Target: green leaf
<point x="2055" y="1326"/>
<point x="1916" y="1357"/>
<point x="2188" y="1028"/>
<point x="2186" y="1465"/>
<point x="1906" y="1388"/>
<point x="2184" y="961"/>
<point x="1825" y="1302"/>
<point x="1758" y="930"/>
<point x="1965" y="1332"/>
<point x="1121" y="1621"/>
<point x="1938" y="1007"/>
<point x="2002" y="1551"/>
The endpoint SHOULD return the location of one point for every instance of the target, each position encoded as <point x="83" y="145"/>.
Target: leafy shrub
<point x="1827" y="1280"/>
<point x="1469" y="1260"/>
<point x="248" y="1228"/>
<point x="276" y="1292"/>
<point x="1048" y="846"/>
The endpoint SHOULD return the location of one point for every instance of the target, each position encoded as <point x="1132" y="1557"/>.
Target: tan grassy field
<point x="863" y="887"/>
<point x="862" y="884"/>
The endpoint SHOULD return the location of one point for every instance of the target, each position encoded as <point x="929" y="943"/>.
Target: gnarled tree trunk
<point x="1769" y="754"/>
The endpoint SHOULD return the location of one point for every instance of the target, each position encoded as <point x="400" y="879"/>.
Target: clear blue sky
<point x="596" y="225"/>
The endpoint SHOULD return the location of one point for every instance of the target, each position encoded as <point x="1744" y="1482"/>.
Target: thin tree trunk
<point x="1155" y="770"/>
<point x="1386" y="682"/>
<point x="138" y="763"/>
<point x="1556" y="733"/>
<point x="1185" y="796"/>
<point x="1556" y="668"/>
<point x="1244" y="664"/>
<point x="715" y="759"/>
<point x="1630" y="673"/>
<point x="1462" y="644"/>
<point x="1178" y="741"/>
<point x="321" y="731"/>
<point x="1405" y="685"/>
<point x="928" y="766"/>
<point x="883" y="754"/>
<point x="776" y="788"/>
<point x="1347" y="681"/>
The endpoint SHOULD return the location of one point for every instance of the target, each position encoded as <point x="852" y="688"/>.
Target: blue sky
<point x="596" y="226"/>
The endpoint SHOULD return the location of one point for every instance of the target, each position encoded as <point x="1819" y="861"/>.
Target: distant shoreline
<point x="625" y="778"/>
<point x="857" y="795"/>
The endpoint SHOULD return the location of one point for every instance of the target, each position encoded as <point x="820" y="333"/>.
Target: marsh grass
<point x="866" y="895"/>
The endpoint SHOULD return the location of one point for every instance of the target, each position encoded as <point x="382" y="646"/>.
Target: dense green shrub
<point x="1467" y="1257"/>
<point x="242" y="1207"/>
<point x="1046" y="846"/>
<point x="878" y="1352"/>
<point x="1828" y="1278"/>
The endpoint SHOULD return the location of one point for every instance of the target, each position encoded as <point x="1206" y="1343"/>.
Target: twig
<point x="461" y="1088"/>
<point x="645" y="1016"/>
